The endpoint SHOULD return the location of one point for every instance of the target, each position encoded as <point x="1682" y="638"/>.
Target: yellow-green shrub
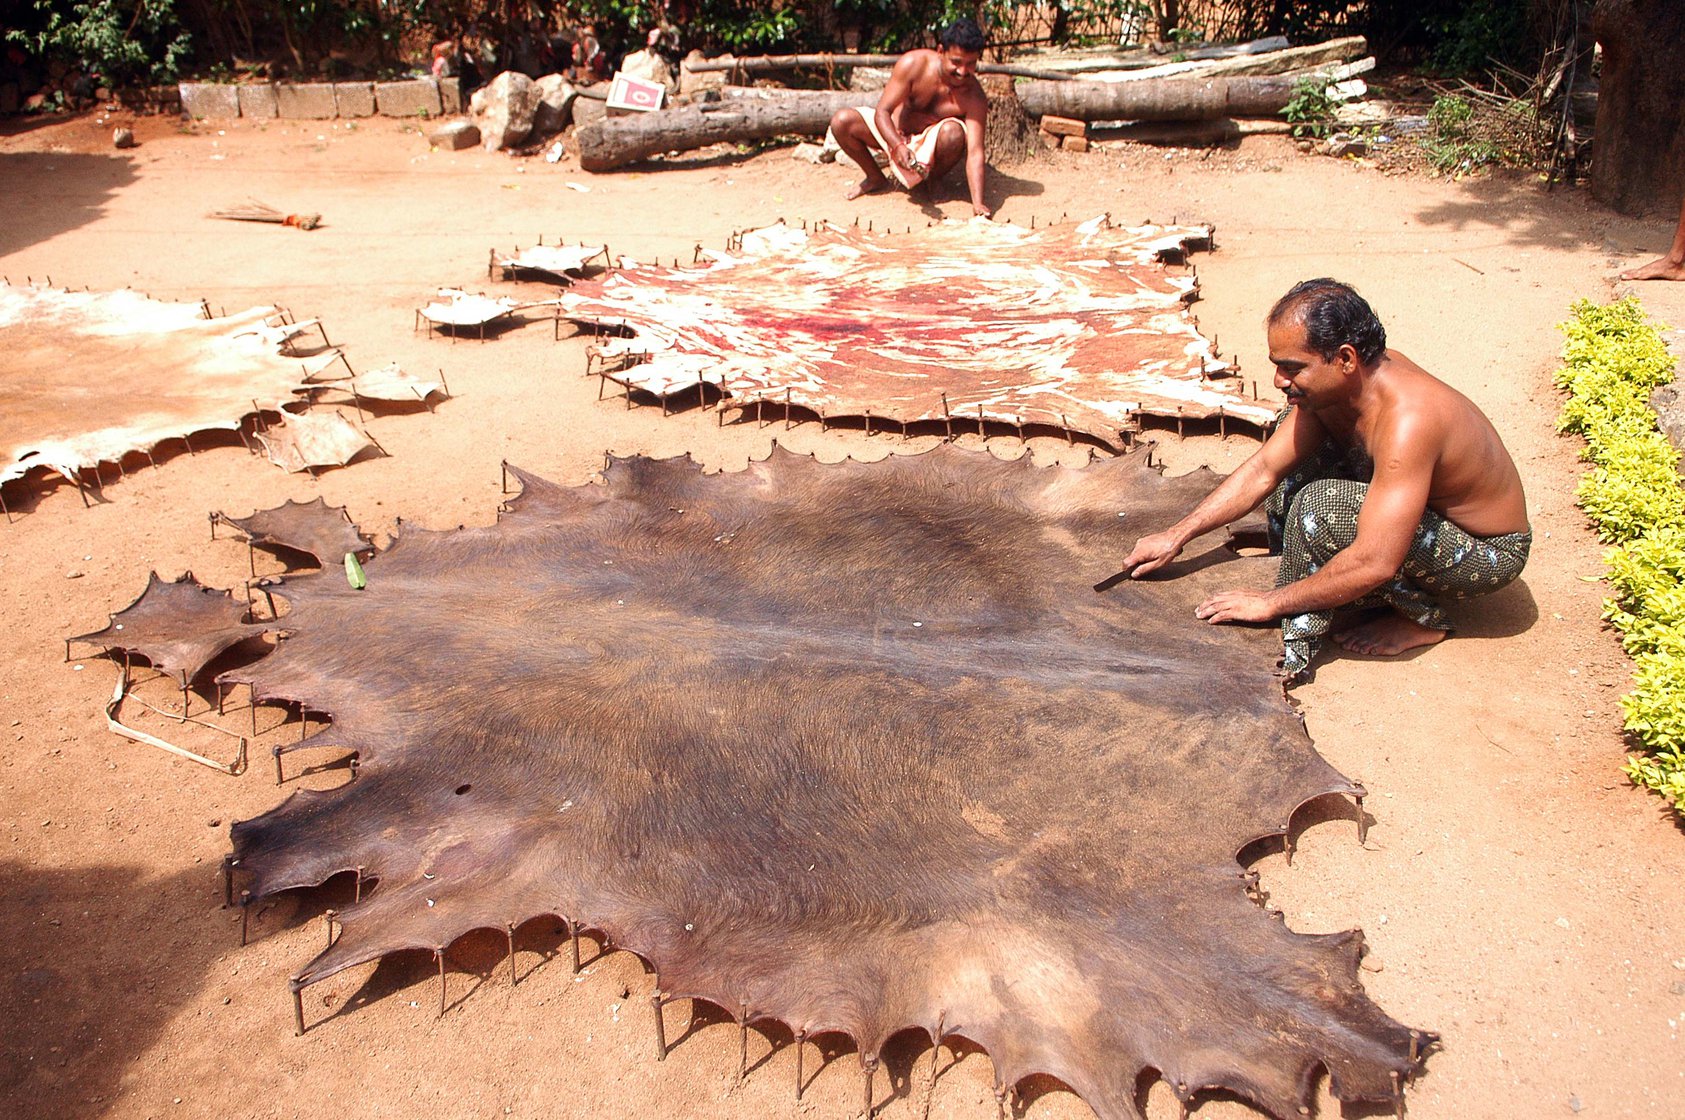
<point x="1613" y="358"/>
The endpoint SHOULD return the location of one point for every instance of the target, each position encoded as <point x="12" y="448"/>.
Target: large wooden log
<point x="741" y="114"/>
<point x="744" y="114"/>
<point x="1159" y="99"/>
<point x="768" y="63"/>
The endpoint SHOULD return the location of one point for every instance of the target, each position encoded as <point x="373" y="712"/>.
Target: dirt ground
<point x="1519" y="897"/>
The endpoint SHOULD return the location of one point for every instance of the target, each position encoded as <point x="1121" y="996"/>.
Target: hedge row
<point x="1614" y="358"/>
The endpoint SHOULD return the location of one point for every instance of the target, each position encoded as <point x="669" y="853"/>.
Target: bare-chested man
<point x="1384" y="487"/>
<point x="931" y="112"/>
<point x="1669" y="266"/>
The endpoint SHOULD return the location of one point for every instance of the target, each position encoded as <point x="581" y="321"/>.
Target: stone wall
<point x="415" y="97"/>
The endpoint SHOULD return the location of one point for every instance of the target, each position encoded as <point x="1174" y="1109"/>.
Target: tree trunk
<point x="760" y="114"/>
<point x="1010" y="136"/>
<point x="1638" y="161"/>
<point x="1159" y="99"/>
<point x="743" y="114"/>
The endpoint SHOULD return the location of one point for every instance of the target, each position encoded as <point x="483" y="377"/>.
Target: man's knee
<point x="950" y="139"/>
<point x="847" y="125"/>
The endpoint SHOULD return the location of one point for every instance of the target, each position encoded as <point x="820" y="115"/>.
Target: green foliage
<point x="1310" y="110"/>
<point x="1456" y="144"/>
<point x="1613" y="358"/>
<point x="1477" y="35"/>
<point x="125" y="43"/>
<point x="751" y="26"/>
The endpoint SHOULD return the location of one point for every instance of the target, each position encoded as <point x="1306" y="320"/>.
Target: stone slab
<point x="210" y="101"/>
<point x="313" y="101"/>
<point x="258" y="101"/>
<point x="416" y="97"/>
<point x="354" y="99"/>
<point x="454" y="136"/>
<point x="450" y="96"/>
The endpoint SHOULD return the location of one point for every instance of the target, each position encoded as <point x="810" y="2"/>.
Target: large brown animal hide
<point x="1078" y="327"/>
<point x="857" y="748"/>
<point x="91" y="376"/>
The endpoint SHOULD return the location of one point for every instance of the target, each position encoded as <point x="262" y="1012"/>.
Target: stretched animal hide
<point x="853" y="747"/>
<point x="1075" y="327"/>
<point x="91" y="376"/>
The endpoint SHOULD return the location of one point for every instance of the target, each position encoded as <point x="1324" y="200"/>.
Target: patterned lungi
<point x="1313" y="514"/>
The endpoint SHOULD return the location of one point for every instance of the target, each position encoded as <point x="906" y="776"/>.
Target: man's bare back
<point x="1473" y="482"/>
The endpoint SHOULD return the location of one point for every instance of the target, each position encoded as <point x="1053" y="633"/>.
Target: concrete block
<point x="418" y="97"/>
<point x="312" y="101"/>
<point x="211" y="101"/>
<point x="450" y="96"/>
<point x="354" y="99"/>
<point x="257" y="101"/>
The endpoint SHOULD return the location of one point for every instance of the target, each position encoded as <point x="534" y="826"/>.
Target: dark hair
<point x="966" y="35"/>
<point x="1333" y="315"/>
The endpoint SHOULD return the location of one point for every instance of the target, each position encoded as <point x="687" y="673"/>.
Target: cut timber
<point x="1009" y="136"/>
<point x="1274" y="62"/>
<point x="1064" y="126"/>
<point x="1158" y="99"/>
<point x="771" y="62"/>
<point x="745" y="114"/>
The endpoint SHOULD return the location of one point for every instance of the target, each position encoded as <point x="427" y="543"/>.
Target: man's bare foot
<point x="1389" y="634"/>
<point x="1662" y="268"/>
<point x="867" y="186"/>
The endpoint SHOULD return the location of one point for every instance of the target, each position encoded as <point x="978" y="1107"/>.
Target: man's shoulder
<point x="918" y="59"/>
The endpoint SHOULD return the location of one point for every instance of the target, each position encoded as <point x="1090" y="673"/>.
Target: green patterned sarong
<point x="1313" y="514"/>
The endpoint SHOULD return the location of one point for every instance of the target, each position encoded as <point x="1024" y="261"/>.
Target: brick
<point x="450" y="96"/>
<point x="1064" y="126"/>
<point x="313" y="101"/>
<point x="211" y="101"/>
<point x="354" y="99"/>
<point x="417" y="97"/>
<point x="257" y="101"/>
<point x="1074" y="143"/>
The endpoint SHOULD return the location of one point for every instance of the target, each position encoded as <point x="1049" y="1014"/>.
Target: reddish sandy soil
<point x="1519" y="896"/>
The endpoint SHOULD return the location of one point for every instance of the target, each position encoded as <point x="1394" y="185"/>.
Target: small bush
<point x="1311" y="110"/>
<point x="1613" y="358"/>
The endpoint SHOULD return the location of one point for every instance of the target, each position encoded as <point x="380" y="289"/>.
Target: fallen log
<point x="745" y="113"/>
<point x="1270" y="62"/>
<point x="762" y="64"/>
<point x="741" y="114"/>
<point x="1159" y="99"/>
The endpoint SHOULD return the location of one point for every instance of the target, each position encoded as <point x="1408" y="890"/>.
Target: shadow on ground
<point x="94" y="962"/>
<point x="1522" y="212"/>
<point x="78" y="185"/>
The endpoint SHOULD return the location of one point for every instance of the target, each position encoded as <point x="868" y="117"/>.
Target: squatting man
<point x="1385" y="490"/>
<point x="932" y="111"/>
